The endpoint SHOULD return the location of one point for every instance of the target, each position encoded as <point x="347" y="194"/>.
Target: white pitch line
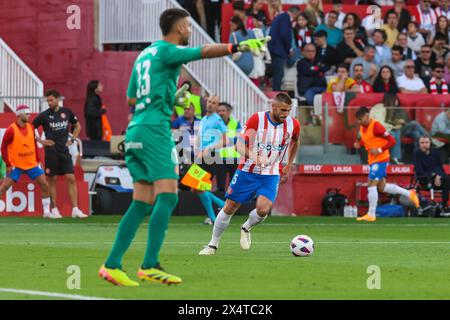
<point x="51" y="294"/>
<point x="408" y="225"/>
<point x="202" y="242"/>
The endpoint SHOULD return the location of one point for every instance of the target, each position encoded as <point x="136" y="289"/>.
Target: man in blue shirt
<point x="335" y="35"/>
<point x="212" y="136"/>
<point x="428" y="165"/>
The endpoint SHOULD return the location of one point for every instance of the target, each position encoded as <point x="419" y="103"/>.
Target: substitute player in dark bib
<point x="56" y="122"/>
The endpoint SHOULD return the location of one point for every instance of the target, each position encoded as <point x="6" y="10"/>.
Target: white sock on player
<point x="46" y="204"/>
<point x="221" y="223"/>
<point x="373" y="200"/>
<point x="253" y="220"/>
<point x="395" y="189"/>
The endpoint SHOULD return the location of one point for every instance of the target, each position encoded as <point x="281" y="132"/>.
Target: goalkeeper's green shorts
<point x="150" y="153"/>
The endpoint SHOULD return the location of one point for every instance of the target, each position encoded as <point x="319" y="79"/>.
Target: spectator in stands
<point x="441" y="126"/>
<point x="335" y="35"/>
<point x="352" y="20"/>
<point x="428" y="166"/>
<point x="337" y="7"/>
<point x="349" y="48"/>
<point x="443" y="9"/>
<point x="382" y="50"/>
<point x="213" y="14"/>
<point x="302" y="31"/>
<point x="409" y="82"/>
<point x="275" y="8"/>
<point x="402" y="41"/>
<point x="374" y="20"/>
<point x="325" y="53"/>
<point x="93" y="110"/>
<point x="228" y="154"/>
<point x="425" y="64"/>
<point x="370" y="68"/>
<point x="415" y="39"/>
<point x="404" y="17"/>
<point x="56" y="122"/>
<point x="385" y="81"/>
<point x="280" y="45"/>
<point x="437" y="84"/>
<point x="188" y="126"/>
<point x="239" y="11"/>
<point x="396" y="63"/>
<point x="342" y="82"/>
<point x="358" y="73"/>
<point x="239" y="33"/>
<point x="314" y="12"/>
<point x="390" y="27"/>
<point x="310" y="74"/>
<point x="439" y="48"/>
<point x="441" y="27"/>
<point x="426" y="18"/>
<point x="258" y="14"/>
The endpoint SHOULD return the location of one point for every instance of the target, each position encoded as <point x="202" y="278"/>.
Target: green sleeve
<point x="132" y="85"/>
<point x="177" y="55"/>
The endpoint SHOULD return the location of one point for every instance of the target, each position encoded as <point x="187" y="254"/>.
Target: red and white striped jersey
<point x="271" y="141"/>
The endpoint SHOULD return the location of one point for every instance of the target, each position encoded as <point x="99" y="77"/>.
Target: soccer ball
<point x="302" y="246"/>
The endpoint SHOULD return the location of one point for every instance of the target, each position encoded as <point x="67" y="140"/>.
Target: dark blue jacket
<point x="281" y="33"/>
<point x="427" y="165"/>
<point x="310" y="74"/>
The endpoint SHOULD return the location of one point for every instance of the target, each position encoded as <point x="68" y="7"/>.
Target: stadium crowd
<point x="403" y="48"/>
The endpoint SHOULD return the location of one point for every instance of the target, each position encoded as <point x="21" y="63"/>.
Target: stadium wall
<point x="66" y="59"/>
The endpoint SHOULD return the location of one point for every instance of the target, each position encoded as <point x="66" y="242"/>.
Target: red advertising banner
<point x="331" y="169"/>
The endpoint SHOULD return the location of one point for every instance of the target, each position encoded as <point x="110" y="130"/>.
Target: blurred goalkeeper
<point x="150" y="151"/>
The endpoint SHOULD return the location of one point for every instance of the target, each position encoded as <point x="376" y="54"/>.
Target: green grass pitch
<point x="413" y="256"/>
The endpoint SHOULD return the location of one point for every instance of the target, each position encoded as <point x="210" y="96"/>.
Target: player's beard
<point x="184" y="41"/>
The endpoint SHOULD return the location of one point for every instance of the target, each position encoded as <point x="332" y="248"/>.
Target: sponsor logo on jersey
<point x="269" y="147"/>
<point x="59" y="125"/>
<point x="133" y="145"/>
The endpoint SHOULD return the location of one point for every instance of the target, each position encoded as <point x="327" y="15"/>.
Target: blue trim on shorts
<point x="378" y="170"/>
<point x="32" y="173"/>
<point x="246" y="186"/>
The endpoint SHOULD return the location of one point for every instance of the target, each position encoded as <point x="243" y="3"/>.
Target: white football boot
<point x="208" y="251"/>
<point x="77" y="213"/>
<point x="246" y="239"/>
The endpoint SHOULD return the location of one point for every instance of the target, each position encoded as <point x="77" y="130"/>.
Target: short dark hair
<point x="283" y="97"/>
<point x="358" y="65"/>
<point x="438" y="66"/>
<point x="334" y="12"/>
<point x="294" y="9"/>
<point x="169" y="17"/>
<point x="343" y="65"/>
<point x="226" y="104"/>
<point x="320" y="34"/>
<point x="440" y="36"/>
<point x="389" y="13"/>
<point x="239" y="5"/>
<point x="52" y="92"/>
<point x="349" y="29"/>
<point x="398" y="49"/>
<point x="362" y="112"/>
<point x="382" y="32"/>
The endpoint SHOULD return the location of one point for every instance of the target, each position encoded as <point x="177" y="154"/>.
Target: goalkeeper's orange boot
<point x="367" y="218"/>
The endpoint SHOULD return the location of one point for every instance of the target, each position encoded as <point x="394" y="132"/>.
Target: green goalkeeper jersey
<point x="154" y="79"/>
